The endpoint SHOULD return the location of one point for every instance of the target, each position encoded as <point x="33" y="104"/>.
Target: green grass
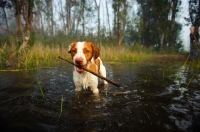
<point x="38" y="55"/>
<point x="124" y="54"/>
<point x="43" y="55"/>
<point x="61" y="105"/>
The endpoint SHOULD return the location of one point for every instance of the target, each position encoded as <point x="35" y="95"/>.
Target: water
<point x="151" y="97"/>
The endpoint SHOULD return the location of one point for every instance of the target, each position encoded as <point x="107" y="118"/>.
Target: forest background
<point x="36" y="32"/>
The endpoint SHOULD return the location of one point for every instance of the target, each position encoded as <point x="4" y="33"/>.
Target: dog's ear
<point x="96" y="51"/>
<point x="70" y="46"/>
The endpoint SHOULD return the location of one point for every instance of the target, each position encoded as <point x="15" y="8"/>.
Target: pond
<point x="152" y="97"/>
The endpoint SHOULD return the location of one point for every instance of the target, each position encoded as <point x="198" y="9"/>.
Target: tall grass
<point x="38" y="55"/>
<point x="44" y="55"/>
<point x="41" y="55"/>
<point x="125" y="53"/>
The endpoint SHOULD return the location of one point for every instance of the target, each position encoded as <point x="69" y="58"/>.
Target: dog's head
<point x="82" y="53"/>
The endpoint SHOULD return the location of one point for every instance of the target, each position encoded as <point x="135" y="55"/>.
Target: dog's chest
<point x="85" y="79"/>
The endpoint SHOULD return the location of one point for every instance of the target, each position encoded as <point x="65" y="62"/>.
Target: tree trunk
<point x="6" y="20"/>
<point x="49" y="16"/>
<point x="108" y="18"/>
<point x="173" y="16"/>
<point x="98" y="17"/>
<point x="69" y="22"/>
<point x="162" y="40"/>
<point x="83" y="17"/>
<point x="52" y="21"/>
<point x="39" y="20"/>
<point x="28" y="15"/>
<point x="61" y="15"/>
<point x="19" y="30"/>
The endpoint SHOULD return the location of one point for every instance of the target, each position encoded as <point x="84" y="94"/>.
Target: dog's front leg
<point x="94" y="89"/>
<point x="93" y="83"/>
<point x="77" y="81"/>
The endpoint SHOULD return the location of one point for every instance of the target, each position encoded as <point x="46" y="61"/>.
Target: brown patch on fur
<point x="88" y="51"/>
<point x="93" y="67"/>
<point x="96" y="50"/>
<point x="72" y="48"/>
<point x="95" y="54"/>
<point x="97" y="62"/>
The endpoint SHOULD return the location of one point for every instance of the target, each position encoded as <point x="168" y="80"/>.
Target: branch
<point x="98" y="75"/>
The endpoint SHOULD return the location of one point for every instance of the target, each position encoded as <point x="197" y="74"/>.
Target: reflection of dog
<point x="86" y="54"/>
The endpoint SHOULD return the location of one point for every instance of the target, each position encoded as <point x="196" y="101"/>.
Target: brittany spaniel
<point x="86" y="54"/>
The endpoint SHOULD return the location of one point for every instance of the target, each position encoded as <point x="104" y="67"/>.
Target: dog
<point x="86" y="54"/>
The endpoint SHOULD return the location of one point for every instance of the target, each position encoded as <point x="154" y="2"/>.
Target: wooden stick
<point x="98" y="75"/>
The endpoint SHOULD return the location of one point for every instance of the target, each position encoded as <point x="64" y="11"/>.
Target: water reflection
<point x="150" y="98"/>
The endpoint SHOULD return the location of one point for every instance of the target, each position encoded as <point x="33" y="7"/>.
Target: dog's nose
<point x="79" y="61"/>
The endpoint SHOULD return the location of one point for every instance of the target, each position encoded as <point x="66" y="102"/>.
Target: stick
<point x="98" y="75"/>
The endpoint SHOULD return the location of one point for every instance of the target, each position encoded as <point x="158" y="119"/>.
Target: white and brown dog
<point x="86" y="54"/>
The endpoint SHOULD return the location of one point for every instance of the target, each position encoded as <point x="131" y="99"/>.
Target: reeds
<point x="47" y="55"/>
<point x="124" y="54"/>
<point x="61" y="105"/>
<point x="41" y="55"/>
<point x="190" y="80"/>
<point x="38" y="81"/>
<point x="178" y="74"/>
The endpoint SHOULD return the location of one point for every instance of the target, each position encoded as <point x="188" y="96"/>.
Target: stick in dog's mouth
<point x="83" y="68"/>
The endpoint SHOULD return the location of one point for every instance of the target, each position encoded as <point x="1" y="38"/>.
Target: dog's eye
<point x="73" y="51"/>
<point x="86" y="50"/>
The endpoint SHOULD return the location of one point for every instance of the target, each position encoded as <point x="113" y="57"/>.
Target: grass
<point x="47" y="56"/>
<point x="38" y="55"/>
<point x="124" y="54"/>
<point x="61" y="105"/>
<point x="182" y="67"/>
<point x="38" y="82"/>
<point x="41" y="55"/>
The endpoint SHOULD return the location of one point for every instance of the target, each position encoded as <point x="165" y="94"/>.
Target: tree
<point x="120" y="19"/>
<point x="49" y="17"/>
<point x="108" y="18"/>
<point x="69" y="5"/>
<point x="98" y="17"/>
<point x="62" y="16"/>
<point x="194" y="12"/>
<point x="4" y="4"/>
<point x="144" y="25"/>
<point x="174" y="10"/>
<point x="157" y="22"/>
<point x="23" y="9"/>
<point x="38" y="17"/>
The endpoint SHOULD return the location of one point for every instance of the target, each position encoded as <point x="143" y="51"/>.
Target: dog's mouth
<point x="79" y="69"/>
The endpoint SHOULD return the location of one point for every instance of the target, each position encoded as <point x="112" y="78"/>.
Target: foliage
<point x="194" y="12"/>
<point x="157" y="25"/>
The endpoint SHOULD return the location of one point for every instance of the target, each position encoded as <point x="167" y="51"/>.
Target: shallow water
<point x="151" y="97"/>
